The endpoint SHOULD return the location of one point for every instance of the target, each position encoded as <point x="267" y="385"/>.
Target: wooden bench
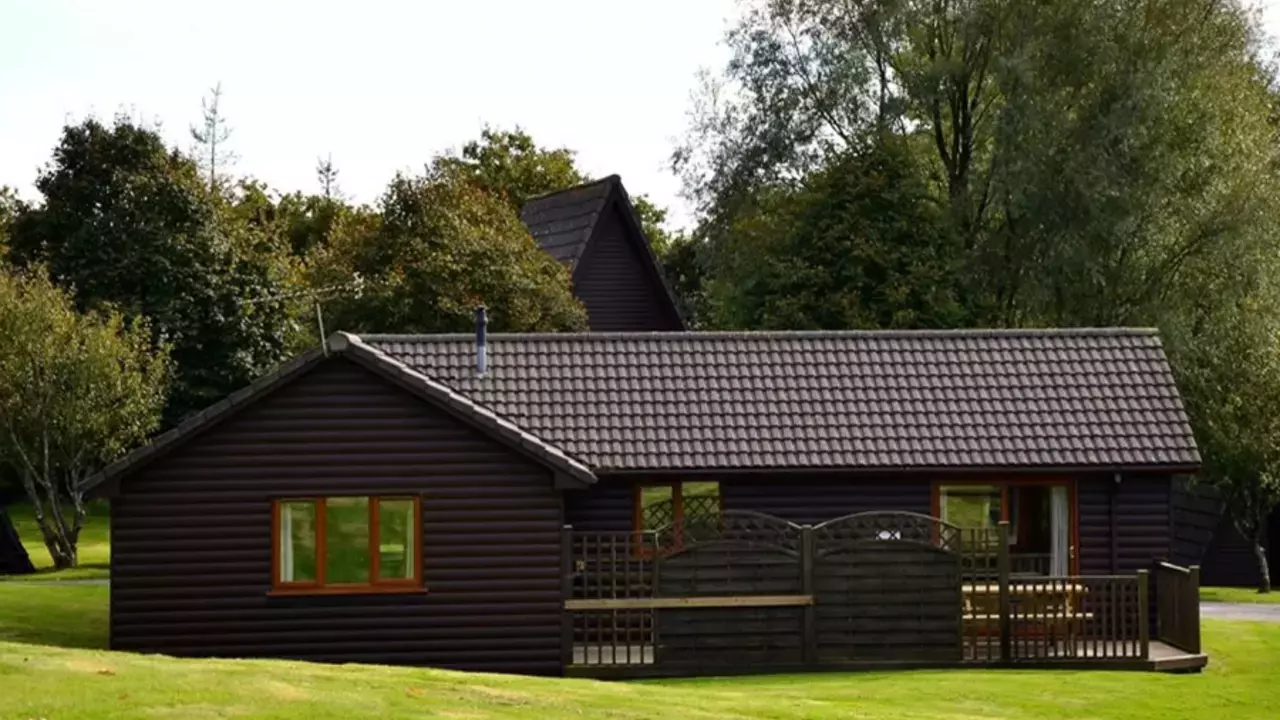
<point x="1040" y="608"/>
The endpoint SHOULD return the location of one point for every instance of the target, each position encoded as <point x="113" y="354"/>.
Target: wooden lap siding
<point x="617" y="286"/>
<point x="191" y="536"/>
<point x="1143" y="528"/>
<point x="814" y="499"/>
<point x="606" y="507"/>
<point x="1143" y="531"/>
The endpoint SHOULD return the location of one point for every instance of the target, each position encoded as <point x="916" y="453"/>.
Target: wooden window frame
<point x="376" y="585"/>
<point x="637" y="515"/>
<point x="1073" y="505"/>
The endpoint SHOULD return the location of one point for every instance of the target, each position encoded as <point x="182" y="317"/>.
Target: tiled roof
<point x="350" y="347"/>
<point x="956" y="399"/>
<point x="562" y="221"/>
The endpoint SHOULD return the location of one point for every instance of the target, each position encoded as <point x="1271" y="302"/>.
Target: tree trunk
<point x="62" y="552"/>
<point x="1264" y="573"/>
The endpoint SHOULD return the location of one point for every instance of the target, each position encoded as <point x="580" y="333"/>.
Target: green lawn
<point x="1238" y="595"/>
<point x="47" y="672"/>
<point x="95" y="545"/>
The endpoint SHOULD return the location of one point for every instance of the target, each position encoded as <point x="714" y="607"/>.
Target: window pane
<point x="971" y="506"/>
<point x="657" y="510"/>
<point x="701" y="506"/>
<point x="396" y="546"/>
<point x="298" y="541"/>
<point x="346" y="543"/>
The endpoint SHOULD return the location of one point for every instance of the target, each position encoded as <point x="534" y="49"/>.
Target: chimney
<point x="482" y="323"/>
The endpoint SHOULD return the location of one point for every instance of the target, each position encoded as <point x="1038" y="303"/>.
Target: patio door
<point x="1041" y="517"/>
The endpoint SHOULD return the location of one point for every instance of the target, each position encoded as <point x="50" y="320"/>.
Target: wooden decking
<point x="590" y="659"/>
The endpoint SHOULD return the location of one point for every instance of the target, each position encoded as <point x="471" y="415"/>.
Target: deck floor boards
<point x="1160" y="657"/>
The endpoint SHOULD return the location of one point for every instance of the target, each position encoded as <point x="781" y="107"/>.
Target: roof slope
<point x="350" y="347"/>
<point x="562" y="222"/>
<point x="653" y="401"/>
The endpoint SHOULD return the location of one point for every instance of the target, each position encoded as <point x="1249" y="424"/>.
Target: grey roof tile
<point x="642" y="401"/>
<point x="562" y="221"/>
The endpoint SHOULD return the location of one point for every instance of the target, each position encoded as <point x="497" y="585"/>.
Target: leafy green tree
<point x="1085" y="151"/>
<point x="438" y="247"/>
<point x="509" y="165"/>
<point x="126" y="222"/>
<point x="861" y="244"/>
<point x="76" y="391"/>
<point x="1225" y="347"/>
<point x="10" y="207"/>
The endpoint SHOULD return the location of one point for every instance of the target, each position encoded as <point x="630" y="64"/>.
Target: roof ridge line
<point x="1118" y="331"/>
<point x="614" y="177"/>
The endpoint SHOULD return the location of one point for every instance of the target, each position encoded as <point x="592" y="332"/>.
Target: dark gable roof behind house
<point x="955" y="399"/>
<point x="562" y="222"/>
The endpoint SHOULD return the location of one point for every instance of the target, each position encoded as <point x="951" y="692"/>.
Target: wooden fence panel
<point x="1178" y="606"/>
<point x="886" y="588"/>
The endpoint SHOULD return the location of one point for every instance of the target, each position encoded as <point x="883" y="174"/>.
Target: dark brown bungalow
<point x="593" y="229"/>
<point x="668" y="503"/>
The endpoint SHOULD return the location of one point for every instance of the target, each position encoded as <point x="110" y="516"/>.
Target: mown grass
<point x="71" y="616"/>
<point x="94" y="546"/>
<point x="47" y="672"/>
<point x="1238" y="595"/>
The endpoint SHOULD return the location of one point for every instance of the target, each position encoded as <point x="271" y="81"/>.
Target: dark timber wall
<point x="1136" y="514"/>
<point x="618" y="284"/>
<point x="191" y="545"/>
<point x="1142" y="523"/>
<point x="811" y="499"/>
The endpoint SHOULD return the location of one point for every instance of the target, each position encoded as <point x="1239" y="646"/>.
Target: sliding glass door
<point x="1040" y="516"/>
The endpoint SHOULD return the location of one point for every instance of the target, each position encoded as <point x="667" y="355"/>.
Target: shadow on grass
<point x="85" y="571"/>
<point x="71" y="616"/>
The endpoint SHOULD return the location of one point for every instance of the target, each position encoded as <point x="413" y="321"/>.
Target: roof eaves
<point x="463" y="406"/>
<point x="633" y="223"/>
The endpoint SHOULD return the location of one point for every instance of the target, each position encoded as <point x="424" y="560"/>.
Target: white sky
<point x="381" y="85"/>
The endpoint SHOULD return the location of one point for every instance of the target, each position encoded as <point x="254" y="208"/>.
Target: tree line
<point x="855" y="164"/>
<point x="995" y="163"/>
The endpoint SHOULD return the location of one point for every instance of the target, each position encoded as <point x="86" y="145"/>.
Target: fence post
<point x="1193" y="611"/>
<point x="1002" y="568"/>
<point x="1144" y="628"/>
<point x="656" y="566"/>
<point x="810" y="614"/>
<point x="566" y="593"/>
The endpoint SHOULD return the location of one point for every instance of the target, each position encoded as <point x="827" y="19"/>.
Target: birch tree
<point x="76" y="391"/>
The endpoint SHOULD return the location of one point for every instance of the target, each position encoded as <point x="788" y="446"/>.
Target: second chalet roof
<point x="956" y="399"/>
<point x="561" y="222"/>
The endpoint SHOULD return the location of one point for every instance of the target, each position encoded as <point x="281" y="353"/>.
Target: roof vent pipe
<point x="482" y="323"/>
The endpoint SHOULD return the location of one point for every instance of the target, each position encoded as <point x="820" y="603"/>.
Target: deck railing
<point x="603" y="571"/>
<point x="1095" y="618"/>
<point x="1178" y="606"/>
<point x="633" y="607"/>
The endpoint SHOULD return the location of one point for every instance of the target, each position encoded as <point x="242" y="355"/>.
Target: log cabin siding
<point x="1143" y="520"/>
<point x="814" y="499"/>
<point x="191" y="536"/>
<point x="609" y="506"/>
<point x="1143" y="523"/>
<point x="1229" y="558"/>
<point x="618" y="285"/>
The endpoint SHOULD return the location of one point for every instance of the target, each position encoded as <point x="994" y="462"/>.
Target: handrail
<point x="1178" y="606"/>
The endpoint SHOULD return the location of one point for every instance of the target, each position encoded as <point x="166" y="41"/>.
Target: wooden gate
<point x="747" y="569"/>
<point x="887" y="589"/>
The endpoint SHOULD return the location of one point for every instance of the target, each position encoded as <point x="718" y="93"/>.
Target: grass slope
<point x="72" y="683"/>
<point x="1238" y="595"/>
<point x="95" y="545"/>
